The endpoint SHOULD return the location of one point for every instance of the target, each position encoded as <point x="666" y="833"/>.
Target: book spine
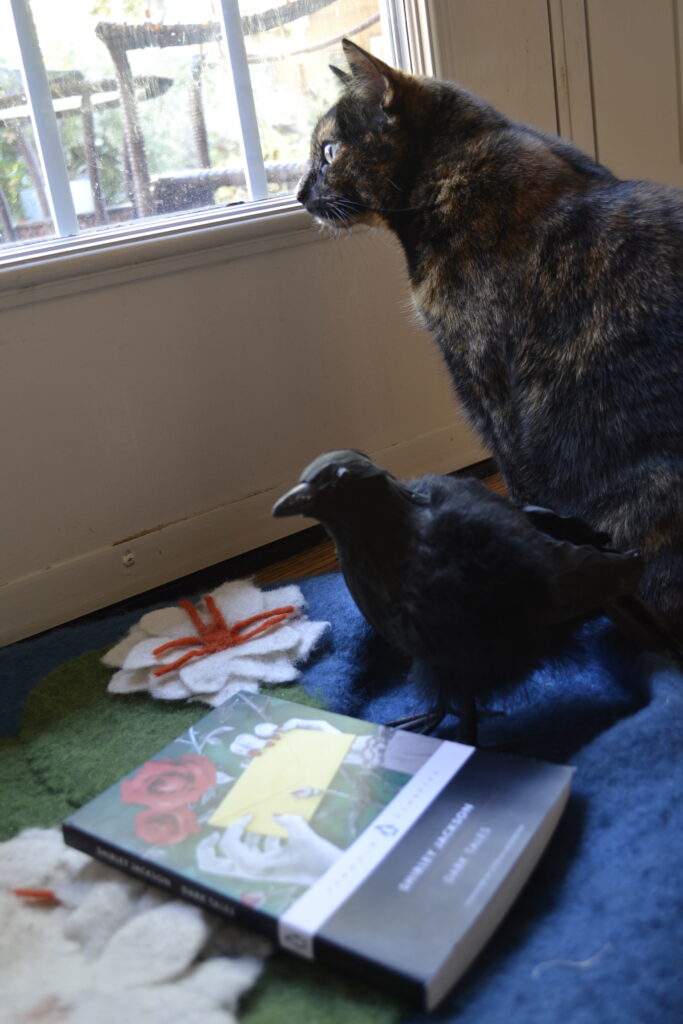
<point x="163" y="878"/>
<point x="342" y="958"/>
<point x="169" y="881"/>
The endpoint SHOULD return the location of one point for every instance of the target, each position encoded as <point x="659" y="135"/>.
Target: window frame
<point x="60" y="265"/>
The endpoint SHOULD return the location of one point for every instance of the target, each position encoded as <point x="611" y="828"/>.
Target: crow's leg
<point x="423" y="722"/>
<point x="427" y="679"/>
<point x="468" y="720"/>
<point x="428" y="721"/>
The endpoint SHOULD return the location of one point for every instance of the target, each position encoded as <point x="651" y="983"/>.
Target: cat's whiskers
<point x="357" y="207"/>
<point x="383" y="209"/>
<point x="339" y="213"/>
<point x="329" y="227"/>
<point x="392" y="209"/>
<point x="392" y="183"/>
<point x="399" y="209"/>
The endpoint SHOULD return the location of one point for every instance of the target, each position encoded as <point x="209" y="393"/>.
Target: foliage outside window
<point x="146" y="107"/>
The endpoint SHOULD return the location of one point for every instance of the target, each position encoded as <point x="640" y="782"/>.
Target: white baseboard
<point x="102" y="577"/>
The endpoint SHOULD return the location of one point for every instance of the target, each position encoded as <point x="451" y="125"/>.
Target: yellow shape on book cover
<point x="277" y="781"/>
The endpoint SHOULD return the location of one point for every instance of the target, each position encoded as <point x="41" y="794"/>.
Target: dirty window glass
<point x="116" y="110"/>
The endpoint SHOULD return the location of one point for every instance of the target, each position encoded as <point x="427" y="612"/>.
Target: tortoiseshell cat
<point x="554" y="290"/>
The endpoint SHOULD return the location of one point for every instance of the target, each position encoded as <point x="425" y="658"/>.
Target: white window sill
<point x="65" y="266"/>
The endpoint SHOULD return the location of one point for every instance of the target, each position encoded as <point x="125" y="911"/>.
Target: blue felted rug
<point x="597" y="935"/>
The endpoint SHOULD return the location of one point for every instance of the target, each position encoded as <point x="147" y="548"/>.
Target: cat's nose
<point x="303" y="189"/>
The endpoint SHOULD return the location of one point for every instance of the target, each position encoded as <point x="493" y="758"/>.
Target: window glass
<point x="145" y="98"/>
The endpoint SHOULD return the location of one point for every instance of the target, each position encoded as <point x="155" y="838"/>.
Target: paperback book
<point x="364" y="847"/>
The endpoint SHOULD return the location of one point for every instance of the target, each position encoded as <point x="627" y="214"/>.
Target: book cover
<point x="391" y="854"/>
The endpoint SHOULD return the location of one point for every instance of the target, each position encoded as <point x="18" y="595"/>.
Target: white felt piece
<point x="214" y="700"/>
<point x="238" y="599"/>
<point x="224" y="980"/>
<point x="170" y="623"/>
<point x="37" y="858"/>
<point x="143" y="656"/>
<point x="168" y="687"/>
<point x="155" y="946"/>
<point x="273" y="668"/>
<point x="309" y="634"/>
<point x="117" y="655"/>
<point x="104" y="909"/>
<point x="50" y="969"/>
<point x="289" y="594"/>
<point x="208" y="674"/>
<point x="283" y="638"/>
<point x="24" y="938"/>
<point x="36" y="961"/>
<point x="159" y="1004"/>
<point x="129" y="681"/>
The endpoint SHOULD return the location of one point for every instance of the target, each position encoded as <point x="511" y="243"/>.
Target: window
<point x="115" y="111"/>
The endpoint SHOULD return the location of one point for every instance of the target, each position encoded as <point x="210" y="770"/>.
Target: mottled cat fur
<point x="554" y="290"/>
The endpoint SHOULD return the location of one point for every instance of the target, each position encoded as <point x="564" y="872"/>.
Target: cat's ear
<point x="377" y="79"/>
<point x="343" y="76"/>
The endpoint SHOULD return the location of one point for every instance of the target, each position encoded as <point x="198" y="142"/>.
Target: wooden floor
<point x="323" y="558"/>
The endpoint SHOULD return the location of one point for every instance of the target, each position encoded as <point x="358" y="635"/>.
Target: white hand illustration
<point x="300" y="859"/>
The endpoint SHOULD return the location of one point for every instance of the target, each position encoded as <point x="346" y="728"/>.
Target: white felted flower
<point x="208" y="653"/>
<point x="109" y="949"/>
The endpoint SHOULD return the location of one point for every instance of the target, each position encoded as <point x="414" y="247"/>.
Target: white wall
<point x="157" y="413"/>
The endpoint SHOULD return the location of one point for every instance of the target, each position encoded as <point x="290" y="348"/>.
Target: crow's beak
<point x="296" y="502"/>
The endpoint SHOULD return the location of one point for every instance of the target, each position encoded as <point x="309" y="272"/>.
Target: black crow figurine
<point x="474" y="590"/>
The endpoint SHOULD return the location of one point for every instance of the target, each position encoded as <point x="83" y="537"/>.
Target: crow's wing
<point x="588" y="579"/>
<point x="590" y="575"/>
<point x="593" y="576"/>
<point x="571" y="528"/>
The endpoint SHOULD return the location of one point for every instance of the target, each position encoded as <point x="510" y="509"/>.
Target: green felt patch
<point x="25" y="801"/>
<point x="76" y="740"/>
<point x="295" y="990"/>
<point x="79" y="739"/>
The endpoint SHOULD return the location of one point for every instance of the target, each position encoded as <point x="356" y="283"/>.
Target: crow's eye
<point x="329" y="152"/>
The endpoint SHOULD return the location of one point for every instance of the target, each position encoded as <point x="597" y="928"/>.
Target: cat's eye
<point x="329" y="152"/>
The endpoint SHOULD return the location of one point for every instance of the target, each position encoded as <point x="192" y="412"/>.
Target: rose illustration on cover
<point x="162" y="828"/>
<point x="165" y="788"/>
